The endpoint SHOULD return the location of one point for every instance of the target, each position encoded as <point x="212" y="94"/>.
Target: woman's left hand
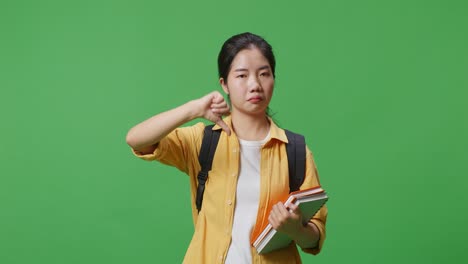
<point x="286" y="221"/>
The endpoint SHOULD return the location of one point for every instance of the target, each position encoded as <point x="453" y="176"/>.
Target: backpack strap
<point x="296" y="159"/>
<point x="207" y="150"/>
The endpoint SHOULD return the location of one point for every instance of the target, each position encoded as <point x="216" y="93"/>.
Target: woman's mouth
<point x="255" y="99"/>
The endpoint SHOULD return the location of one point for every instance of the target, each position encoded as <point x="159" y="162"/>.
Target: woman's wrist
<point x="308" y="237"/>
<point x="193" y="109"/>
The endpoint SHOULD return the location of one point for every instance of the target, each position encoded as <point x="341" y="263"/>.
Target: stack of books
<point x="309" y="202"/>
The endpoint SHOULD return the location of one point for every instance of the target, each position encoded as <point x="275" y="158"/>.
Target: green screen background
<point x="379" y="88"/>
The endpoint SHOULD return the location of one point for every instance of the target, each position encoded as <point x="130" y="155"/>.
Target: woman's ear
<point x="224" y="85"/>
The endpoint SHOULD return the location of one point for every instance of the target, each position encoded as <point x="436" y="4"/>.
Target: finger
<point x="275" y="221"/>
<point x="295" y="209"/>
<point x="274" y="211"/>
<point x="224" y="126"/>
<point x="220" y="111"/>
<point x="217" y="98"/>
<point x="282" y="210"/>
<point x="272" y="219"/>
<point x="280" y="213"/>
<point x="210" y="97"/>
<point x="219" y="105"/>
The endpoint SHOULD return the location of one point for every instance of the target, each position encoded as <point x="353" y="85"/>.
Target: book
<point x="309" y="201"/>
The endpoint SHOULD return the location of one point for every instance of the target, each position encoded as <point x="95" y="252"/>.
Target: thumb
<point x="224" y="126"/>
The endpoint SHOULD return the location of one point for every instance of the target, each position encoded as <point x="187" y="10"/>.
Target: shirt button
<point x="233" y="175"/>
<point x="234" y="150"/>
<point x="229" y="202"/>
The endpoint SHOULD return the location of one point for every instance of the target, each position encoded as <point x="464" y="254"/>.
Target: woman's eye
<point x="266" y="74"/>
<point x="241" y="76"/>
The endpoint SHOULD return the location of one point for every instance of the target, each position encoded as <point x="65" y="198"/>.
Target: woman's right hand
<point x="213" y="107"/>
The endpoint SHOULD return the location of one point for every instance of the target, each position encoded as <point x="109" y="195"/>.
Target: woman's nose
<point x="254" y="85"/>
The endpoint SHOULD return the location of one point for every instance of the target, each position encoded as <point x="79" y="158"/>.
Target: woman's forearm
<point x="152" y="130"/>
<point x="308" y="237"/>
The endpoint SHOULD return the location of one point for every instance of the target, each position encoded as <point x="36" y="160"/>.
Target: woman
<point x="248" y="176"/>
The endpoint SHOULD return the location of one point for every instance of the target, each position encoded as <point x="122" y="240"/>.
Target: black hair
<point x="239" y="42"/>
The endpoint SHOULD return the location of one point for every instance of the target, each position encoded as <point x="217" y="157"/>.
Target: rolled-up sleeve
<point x="178" y="149"/>
<point x="320" y="218"/>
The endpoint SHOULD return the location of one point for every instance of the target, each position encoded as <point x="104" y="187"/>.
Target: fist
<point x="213" y="107"/>
<point x="286" y="220"/>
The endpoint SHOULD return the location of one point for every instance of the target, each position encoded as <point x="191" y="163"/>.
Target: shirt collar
<point x="275" y="131"/>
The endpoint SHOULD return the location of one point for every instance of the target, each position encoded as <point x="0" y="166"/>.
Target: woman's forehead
<point x="249" y="59"/>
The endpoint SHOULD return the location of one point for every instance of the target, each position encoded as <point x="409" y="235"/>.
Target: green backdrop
<point x="379" y="88"/>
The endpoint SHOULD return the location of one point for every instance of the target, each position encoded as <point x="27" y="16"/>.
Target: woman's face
<point x="250" y="82"/>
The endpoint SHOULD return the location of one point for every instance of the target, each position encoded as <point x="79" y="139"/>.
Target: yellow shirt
<point x="212" y="236"/>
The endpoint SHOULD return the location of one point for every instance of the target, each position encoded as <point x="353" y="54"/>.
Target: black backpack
<point x="296" y="160"/>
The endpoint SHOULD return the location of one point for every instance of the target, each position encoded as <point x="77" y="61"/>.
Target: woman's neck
<point x="248" y="127"/>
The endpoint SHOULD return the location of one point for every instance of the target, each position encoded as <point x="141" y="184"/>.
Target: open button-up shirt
<point x="212" y="236"/>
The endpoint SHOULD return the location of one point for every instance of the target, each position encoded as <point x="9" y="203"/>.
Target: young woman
<point x="249" y="174"/>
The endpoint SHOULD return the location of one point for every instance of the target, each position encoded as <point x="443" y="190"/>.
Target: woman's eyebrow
<point x="244" y="69"/>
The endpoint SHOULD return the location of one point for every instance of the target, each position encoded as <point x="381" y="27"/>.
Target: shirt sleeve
<point x="320" y="218"/>
<point x="178" y="149"/>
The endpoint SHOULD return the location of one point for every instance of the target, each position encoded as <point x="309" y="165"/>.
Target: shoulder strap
<point x="296" y="159"/>
<point x="207" y="150"/>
